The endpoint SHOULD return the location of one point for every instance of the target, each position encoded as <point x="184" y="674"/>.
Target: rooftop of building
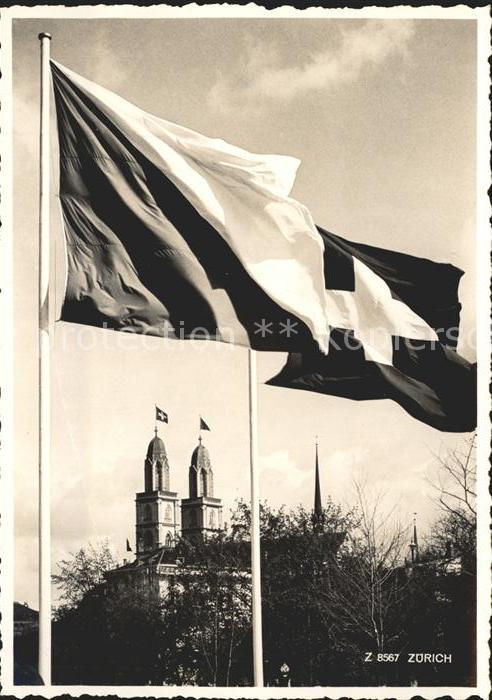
<point x="156" y="449"/>
<point x="200" y="459"/>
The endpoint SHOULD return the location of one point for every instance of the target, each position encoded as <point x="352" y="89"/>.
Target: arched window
<point x="147" y="512"/>
<point x="169" y="514"/>
<point x="169" y="540"/>
<point x="160" y="485"/>
<point x="193" y="518"/>
<point x="211" y="520"/>
<point x="148" y="540"/>
<point x="203" y="483"/>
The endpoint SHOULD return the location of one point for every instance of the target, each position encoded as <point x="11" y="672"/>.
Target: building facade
<point x="162" y="518"/>
<point x="201" y="512"/>
<point x="157" y="507"/>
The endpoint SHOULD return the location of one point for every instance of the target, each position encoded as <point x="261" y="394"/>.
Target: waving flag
<point x="395" y="323"/>
<point x="203" y="425"/>
<point x="161" y="415"/>
<point x="171" y="233"/>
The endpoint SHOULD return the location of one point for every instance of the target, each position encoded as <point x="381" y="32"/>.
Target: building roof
<point x="162" y="555"/>
<point x="156" y="449"/>
<point x="23" y="613"/>
<point x="200" y="457"/>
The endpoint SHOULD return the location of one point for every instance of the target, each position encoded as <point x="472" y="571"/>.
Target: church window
<point x="148" y="540"/>
<point x="193" y="518"/>
<point x="147" y="512"/>
<point x="169" y="514"/>
<point x="203" y="482"/>
<point x="211" y="520"/>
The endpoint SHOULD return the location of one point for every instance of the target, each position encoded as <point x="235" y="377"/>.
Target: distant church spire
<point x="414" y="545"/>
<point x="318" y="516"/>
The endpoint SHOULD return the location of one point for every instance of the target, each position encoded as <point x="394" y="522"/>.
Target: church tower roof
<point x="200" y="459"/>
<point x="156" y="449"/>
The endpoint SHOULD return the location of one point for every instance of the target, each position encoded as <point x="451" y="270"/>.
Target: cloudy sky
<point x="382" y="116"/>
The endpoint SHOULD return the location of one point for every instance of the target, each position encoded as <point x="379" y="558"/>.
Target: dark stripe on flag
<point x="442" y="393"/>
<point x="125" y="210"/>
<point x="339" y="267"/>
<point x="430" y="381"/>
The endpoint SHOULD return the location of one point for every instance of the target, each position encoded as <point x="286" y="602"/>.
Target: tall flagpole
<point x="44" y="663"/>
<point x="255" y="523"/>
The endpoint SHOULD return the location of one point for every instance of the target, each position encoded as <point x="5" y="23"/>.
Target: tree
<point x="212" y="600"/>
<point x="454" y="482"/>
<point x="197" y="634"/>
<point x="452" y="555"/>
<point x="368" y="584"/>
<point x="119" y="639"/>
<point x="81" y="573"/>
<point x="296" y="560"/>
<point x="330" y="593"/>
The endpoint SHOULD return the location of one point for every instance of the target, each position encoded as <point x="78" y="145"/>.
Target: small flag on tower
<point x="128" y="545"/>
<point x="203" y="425"/>
<point x="161" y="415"/>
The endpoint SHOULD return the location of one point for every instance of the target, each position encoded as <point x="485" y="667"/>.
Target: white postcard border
<point x="7" y="454"/>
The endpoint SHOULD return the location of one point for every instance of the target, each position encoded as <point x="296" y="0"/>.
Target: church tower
<point x="157" y="507"/>
<point x="201" y="513"/>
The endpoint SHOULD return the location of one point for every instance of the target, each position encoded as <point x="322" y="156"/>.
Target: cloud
<point x="340" y="468"/>
<point x="281" y="480"/>
<point x="26" y="124"/>
<point x="265" y="77"/>
<point x="109" y="65"/>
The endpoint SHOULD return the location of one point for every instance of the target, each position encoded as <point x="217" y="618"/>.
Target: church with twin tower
<point x="161" y="517"/>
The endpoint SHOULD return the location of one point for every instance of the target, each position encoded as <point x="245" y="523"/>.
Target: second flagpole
<point x="255" y="523"/>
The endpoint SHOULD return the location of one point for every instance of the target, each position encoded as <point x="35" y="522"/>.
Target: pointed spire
<point x="317" y="516"/>
<point x="414" y="544"/>
<point x="318" y="508"/>
<point x="415" y="540"/>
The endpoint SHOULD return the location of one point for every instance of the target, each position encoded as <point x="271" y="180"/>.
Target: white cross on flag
<point x="161" y="415"/>
<point x="395" y="321"/>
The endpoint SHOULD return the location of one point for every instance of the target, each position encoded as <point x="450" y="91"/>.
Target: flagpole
<point x="44" y="651"/>
<point x="255" y="523"/>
